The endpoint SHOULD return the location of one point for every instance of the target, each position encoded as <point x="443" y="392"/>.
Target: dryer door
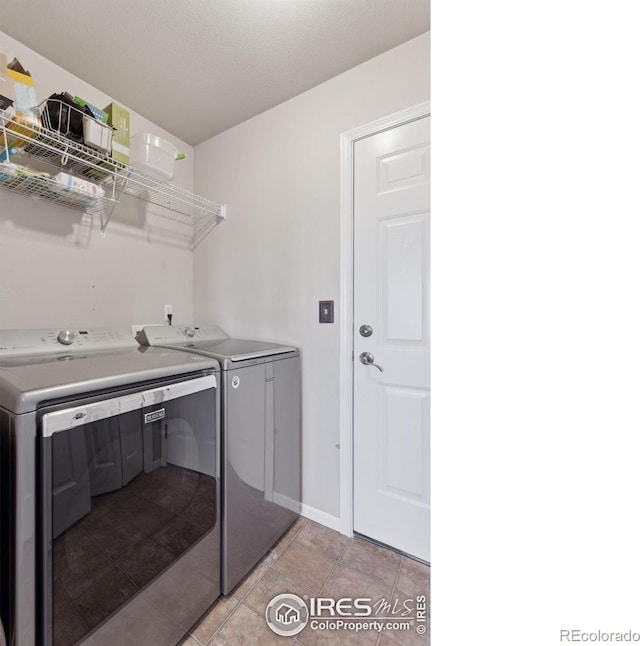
<point x="130" y="535"/>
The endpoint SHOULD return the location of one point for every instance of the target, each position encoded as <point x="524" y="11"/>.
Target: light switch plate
<point x="326" y="311"/>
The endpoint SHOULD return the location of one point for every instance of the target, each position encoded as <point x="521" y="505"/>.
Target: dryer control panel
<point x="15" y="343"/>
<point x="173" y="334"/>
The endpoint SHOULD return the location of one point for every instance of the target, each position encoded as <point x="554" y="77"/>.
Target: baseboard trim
<point x="286" y="502"/>
<point x="323" y="518"/>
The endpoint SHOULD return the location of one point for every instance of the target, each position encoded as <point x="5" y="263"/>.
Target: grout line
<point x="241" y="601"/>
<point x="233" y="612"/>
<point x="301" y="526"/>
<point x="285" y="546"/>
<point x="272" y="566"/>
<point x="393" y="591"/>
<point x="335" y="565"/>
<point x="190" y="634"/>
<point x="395" y="581"/>
<point x="267" y="568"/>
<point x="204" y="615"/>
<point x="253" y="585"/>
<point x="210" y="640"/>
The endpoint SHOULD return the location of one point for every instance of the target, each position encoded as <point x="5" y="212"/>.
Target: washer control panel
<point x="21" y="342"/>
<point x="163" y="334"/>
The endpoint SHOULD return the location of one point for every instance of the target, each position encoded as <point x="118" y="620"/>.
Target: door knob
<point x="367" y="358"/>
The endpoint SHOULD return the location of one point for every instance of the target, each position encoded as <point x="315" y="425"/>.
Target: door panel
<point x="403" y="473"/>
<point x="391" y="294"/>
<point x="403" y="169"/>
<point x="401" y="257"/>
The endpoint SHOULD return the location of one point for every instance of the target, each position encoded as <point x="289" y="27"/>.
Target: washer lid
<point x="26" y="381"/>
<point x="238" y="349"/>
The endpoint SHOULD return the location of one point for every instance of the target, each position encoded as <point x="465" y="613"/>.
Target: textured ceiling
<point x="198" y="67"/>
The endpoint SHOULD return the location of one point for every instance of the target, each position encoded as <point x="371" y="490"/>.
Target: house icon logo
<point x="287" y="615"/>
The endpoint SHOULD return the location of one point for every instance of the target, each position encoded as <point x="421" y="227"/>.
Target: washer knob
<point x="66" y="337"/>
<point x="190" y="332"/>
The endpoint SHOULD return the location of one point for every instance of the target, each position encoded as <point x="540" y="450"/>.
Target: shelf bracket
<point x="104" y="221"/>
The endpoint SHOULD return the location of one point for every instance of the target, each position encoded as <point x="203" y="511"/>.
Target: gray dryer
<point x="260" y="439"/>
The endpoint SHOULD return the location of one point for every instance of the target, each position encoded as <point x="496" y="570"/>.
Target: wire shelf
<point x="166" y="195"/>
<point x="31" y="143"/>
<point x="44" y="186"/>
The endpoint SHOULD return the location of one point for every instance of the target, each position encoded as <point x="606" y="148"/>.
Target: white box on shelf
<point x="68" y="182"/>
<point x="96" y="135"/>
<point x="153" y="155"/>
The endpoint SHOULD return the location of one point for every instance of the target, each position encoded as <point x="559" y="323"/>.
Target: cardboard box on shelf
<point x="118" y="118"/>
<point x="18" y="131"/>
<point x="25" y="99"/>
<point x="6" y="85"/>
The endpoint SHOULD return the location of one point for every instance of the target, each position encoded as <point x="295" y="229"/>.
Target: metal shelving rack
<point x="36" y="147"/>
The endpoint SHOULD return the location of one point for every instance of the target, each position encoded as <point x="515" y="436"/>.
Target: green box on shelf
<point x="100" y="115"/>
<point x="118" y="118"/>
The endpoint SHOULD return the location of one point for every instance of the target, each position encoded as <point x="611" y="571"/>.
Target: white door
<point x="391" y="296"/>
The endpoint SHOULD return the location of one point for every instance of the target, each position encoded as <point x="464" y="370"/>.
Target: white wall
<point x="263" y="272"/>
<point x="56" y="270"/>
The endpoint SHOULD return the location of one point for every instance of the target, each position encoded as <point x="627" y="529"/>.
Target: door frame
<point x="347" y="142"/>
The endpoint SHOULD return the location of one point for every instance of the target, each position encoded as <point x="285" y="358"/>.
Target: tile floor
<point x="313" y="560"/>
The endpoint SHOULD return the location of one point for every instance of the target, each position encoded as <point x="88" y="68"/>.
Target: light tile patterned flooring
<point x="312" y="560"/>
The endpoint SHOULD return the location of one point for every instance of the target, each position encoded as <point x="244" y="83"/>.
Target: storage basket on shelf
<point x="62" y="115"/>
